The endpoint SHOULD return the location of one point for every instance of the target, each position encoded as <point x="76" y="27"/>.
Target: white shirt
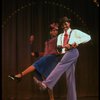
<point x="76" y="36"/>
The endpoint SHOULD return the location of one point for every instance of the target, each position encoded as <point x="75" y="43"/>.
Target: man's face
<point x="54" y="32"/>
<point x="66" y="25"/>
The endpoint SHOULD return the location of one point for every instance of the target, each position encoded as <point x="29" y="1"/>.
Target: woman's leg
<point x="26" y="71"/>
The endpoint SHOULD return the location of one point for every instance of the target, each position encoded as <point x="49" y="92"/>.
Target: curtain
<point x="20" y="18"/>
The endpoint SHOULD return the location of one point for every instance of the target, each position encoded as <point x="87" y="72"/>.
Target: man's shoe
<point x="14" y="78"/>
<point x="39" y="84"/>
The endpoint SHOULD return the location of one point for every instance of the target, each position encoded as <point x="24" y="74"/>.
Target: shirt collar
<point x="68" y="31"/>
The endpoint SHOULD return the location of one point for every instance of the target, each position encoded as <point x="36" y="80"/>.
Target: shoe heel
<point x="12" y="77"/>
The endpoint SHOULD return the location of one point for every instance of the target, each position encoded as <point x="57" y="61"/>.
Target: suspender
<point x="69" y="35"/>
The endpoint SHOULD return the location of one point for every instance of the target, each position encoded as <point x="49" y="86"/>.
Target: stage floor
<point x="79" y="98"/>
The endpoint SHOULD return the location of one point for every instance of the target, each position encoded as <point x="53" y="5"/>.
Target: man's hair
<point x="64" y="19"/>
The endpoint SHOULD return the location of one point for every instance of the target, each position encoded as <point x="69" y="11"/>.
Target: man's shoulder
<point x="60" y="34"/>
<point x="73" y="30"/>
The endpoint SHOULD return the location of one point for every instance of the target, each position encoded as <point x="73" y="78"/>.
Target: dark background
<point x="20" y="18"/>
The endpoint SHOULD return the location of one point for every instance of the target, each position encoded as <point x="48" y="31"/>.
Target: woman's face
<point x="54" y="32"/>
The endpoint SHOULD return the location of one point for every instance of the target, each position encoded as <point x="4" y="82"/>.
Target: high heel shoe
<point x="14" y="78"/>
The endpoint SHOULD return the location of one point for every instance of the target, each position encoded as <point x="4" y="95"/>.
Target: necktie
<point x="65" y="39"/>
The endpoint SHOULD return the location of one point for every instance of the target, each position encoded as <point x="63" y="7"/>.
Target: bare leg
<point x="50" y="92"/>
<point x="26" y="71"/>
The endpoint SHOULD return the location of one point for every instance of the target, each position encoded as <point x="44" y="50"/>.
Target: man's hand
<point x="74" y="45"/>
<point x="69" y="46"/>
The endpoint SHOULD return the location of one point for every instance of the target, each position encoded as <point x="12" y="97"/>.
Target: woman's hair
<point x="54" y="26"/>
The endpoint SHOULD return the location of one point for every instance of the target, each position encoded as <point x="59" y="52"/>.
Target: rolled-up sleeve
<point x="79" y="37"/>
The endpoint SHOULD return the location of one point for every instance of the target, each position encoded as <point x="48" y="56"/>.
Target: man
<point x="67" y="43"/>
